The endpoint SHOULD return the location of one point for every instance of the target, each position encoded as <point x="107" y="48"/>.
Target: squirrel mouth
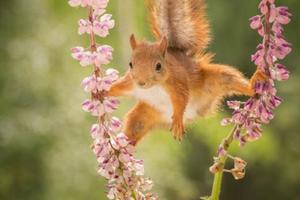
<point x="144" y="85"/>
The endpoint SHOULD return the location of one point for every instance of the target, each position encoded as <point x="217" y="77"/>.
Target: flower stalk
<point x="221" y="160"/>
<point x="112" y="148"/>
<point x="248" y="117"/>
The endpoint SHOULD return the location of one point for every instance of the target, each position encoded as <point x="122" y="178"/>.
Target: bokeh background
<point x="44" y="141"/>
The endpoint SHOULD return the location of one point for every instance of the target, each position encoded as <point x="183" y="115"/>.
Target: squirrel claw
<point x="178" y="130"/>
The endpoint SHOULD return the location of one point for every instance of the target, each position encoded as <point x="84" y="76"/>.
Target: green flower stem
<point x="217" y="185"/>
<point x="134" y="195"/>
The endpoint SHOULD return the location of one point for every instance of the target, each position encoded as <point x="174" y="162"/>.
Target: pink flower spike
<point x="113" y="150"/>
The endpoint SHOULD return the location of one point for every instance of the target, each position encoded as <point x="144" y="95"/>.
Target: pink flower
<point x="102" y="56"/>
<point x="283" y="15"/>
<point x="99" y="3"/>
<point x="273" y="13"/>
<point x="139" y="167"/>
<point x="280" y="51"/>
<point x="102" y="27"/>
<point x="116" y="124"/>
<point x="105" y="84"/>
<point x="90" y="84"/>
<point x="277" y="27"/>
<point x="264" y="7"/>
<point x="94" y="107"/>
<point x="279" y="72"/>
<point x="258" y="57"/>
<point x="113" y="74"/>
<point x="97" y="131"/>
<point x="121" y="141"/>
<point x="280" y="47"/>
<point x="84" y="57"/>
<point x="110" y="104"/>
<point x="93" y="84"/>
<point x="255" y="22"/>
<point x="85" y="26"/>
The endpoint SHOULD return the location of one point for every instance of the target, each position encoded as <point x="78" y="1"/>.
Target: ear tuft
<point x="163" y="45"/>
<point x="133" y="42"/>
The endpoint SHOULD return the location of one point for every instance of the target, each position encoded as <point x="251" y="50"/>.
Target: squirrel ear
<point x="163" y="45"/>
<point x="133" y="42"/>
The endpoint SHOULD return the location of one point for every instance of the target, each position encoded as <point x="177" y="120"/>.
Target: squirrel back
<point x="182" y="22"/>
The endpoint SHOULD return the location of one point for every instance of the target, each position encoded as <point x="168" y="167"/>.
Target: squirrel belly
<point x="159" y="99"/>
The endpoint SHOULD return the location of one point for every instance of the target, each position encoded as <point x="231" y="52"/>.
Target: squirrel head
<point x="148" y="64"/>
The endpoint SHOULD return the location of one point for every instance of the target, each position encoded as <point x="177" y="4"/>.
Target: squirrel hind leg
<point x="232" y="82"/>
<point x="139" y="121"/>
<point x="243" y="86"/>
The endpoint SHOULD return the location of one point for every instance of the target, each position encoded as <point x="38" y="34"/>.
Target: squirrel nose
<point x="141" y="83"/>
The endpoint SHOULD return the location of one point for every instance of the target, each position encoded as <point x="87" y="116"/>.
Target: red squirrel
<point x="172" y="78"/>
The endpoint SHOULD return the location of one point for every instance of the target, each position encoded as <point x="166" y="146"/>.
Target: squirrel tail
<point x="182" y="22"/>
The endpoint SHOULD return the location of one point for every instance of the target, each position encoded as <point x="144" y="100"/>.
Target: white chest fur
<point x="157" y="97"/>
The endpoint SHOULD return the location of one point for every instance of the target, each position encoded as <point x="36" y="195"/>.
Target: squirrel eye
<point x="130" y="65"/>
<point x="158" y="67"/>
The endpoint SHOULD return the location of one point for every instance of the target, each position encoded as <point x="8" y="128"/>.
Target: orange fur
<point x="173" y="80"/>
<point x="183" y="22"/>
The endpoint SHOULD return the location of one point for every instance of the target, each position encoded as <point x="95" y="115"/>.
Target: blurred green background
<point x="44" y="141"/>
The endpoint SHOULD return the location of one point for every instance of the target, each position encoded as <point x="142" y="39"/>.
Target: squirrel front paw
<point x="178" y="129"/>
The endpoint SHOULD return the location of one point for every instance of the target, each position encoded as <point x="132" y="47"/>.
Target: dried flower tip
<point x="239" y="163"/>
<point x="238" y="174"/>
<point x="215" y="168"/>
